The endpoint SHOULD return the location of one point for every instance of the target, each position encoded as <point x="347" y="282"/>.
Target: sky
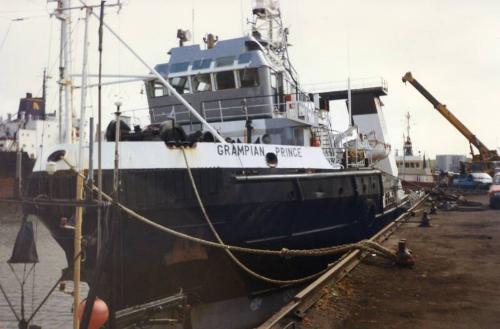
<point x="451" y="46"/>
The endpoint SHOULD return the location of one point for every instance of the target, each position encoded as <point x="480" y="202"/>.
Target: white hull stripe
<point x="156" y="155"/>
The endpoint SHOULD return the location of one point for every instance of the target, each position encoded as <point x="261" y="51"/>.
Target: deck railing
<point x="341" y="85"/>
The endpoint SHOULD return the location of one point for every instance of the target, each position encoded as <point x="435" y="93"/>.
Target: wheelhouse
<point x="229" y="84"/>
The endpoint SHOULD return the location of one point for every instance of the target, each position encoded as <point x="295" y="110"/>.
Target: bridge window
<point x="158" y="89"/>
<point x="181" y="84"/>
<point x="274" y="82"/>
<point x="244" y="58"/>
<point x="179" y="67"/>
<point x="202" y="64"/>
<point x="202" y="82"/>
<point x="162" y="69"/>
<point x="224" y="61"/>
<point x="249" y="78"/>
<point x="225" y="80"/>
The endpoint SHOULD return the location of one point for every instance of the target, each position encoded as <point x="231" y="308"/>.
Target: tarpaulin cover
<point x="24" y="251"/>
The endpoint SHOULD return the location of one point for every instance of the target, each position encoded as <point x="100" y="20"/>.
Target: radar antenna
<point x="267" y="29"/>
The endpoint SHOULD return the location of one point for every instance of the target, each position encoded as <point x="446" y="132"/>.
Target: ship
<point x="269" y="171"/>
<point x="21" y="139"/>
<point x="414" y="170"/>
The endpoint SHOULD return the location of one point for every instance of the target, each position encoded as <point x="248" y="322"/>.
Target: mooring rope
<point x="227" y="251"/>
<point x="371" y="247"/>
<point x="365" y="245"/>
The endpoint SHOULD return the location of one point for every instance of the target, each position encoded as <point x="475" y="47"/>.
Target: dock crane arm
<point x="484" y="152"/>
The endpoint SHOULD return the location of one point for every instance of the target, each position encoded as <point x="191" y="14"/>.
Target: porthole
<point x="271" y="159"/>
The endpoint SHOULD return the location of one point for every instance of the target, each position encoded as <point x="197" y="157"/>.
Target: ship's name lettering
<point x="240" y="150"/>
<point x="252" y="150"/>
<point x="289" y="152"/>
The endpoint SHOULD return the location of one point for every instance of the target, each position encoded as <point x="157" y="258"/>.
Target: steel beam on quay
<point x="313" y="292"/>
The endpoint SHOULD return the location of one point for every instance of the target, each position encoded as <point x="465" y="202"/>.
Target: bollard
<point x="404" y="257"/>
<point x="425" y="220"/>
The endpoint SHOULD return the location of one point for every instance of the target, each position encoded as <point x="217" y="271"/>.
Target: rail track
<point x="286" y="317"/>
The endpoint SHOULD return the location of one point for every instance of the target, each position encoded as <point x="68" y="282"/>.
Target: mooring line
<point x="382" y="251"/>
<point x="367" y="246"/>
<point x="282" y="252"/>
<point x="227" y="251"/>
<point x="309" y="295"/>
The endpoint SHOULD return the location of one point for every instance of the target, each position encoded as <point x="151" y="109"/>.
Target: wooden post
<point x="80" y="180"/>
<point x="77" y="252"/>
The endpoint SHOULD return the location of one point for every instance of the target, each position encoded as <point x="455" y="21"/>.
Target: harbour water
<point x="57" y="312"/>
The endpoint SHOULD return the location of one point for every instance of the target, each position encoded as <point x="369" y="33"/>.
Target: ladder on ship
<point x="327" y="142"/>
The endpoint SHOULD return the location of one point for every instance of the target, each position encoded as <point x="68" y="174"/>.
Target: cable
<point x="5" y="36"/>
<point x="363" y="245"/>
<point x="228" y="252"/>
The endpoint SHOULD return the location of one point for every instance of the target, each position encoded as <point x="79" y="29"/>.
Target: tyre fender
<point x="367" y="213"/>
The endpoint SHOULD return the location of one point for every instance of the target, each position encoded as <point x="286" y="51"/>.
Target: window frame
<point x="217" y="88"/>
<point x="221" y="61"/>
<point x="240" y="76"/>
<point x="154" y="88"/>
<point x="195" y="90"/>
<point x="202" y="62"/>
<point x="188" y="82"/>
<point x="179" y="67"/>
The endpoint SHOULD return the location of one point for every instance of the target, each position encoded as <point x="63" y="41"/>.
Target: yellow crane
<point x="487" y="159"/>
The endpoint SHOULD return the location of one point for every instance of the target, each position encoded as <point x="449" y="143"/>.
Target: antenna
<point x="192" y="22"/>
<point x="408" y="116"/>
<point x="44" y="85"/>
<point x="349" y="100"/>
<point x="242" y="18"/>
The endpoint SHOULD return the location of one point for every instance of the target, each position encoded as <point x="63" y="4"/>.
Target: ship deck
<point x="454" y="283"/>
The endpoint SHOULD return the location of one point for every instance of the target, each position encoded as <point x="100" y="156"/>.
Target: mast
<point x="267" y="29"/>
<point x="65" y="115"/>
<point x="408" y="124"/>
<point x="83" y="100"/>
<point x="61" y="71"/>
<point x="67" y="80"/>
<point x="44" y="93"/>
<point x="44" y="84"/>
<point x="99" y="131"/>
<point x="349" y="100"/>
<point x="407" y="145"/>
<point x="79" y="178"/>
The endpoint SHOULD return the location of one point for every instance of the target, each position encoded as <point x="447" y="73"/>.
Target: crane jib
<point x="485" y="153"/>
